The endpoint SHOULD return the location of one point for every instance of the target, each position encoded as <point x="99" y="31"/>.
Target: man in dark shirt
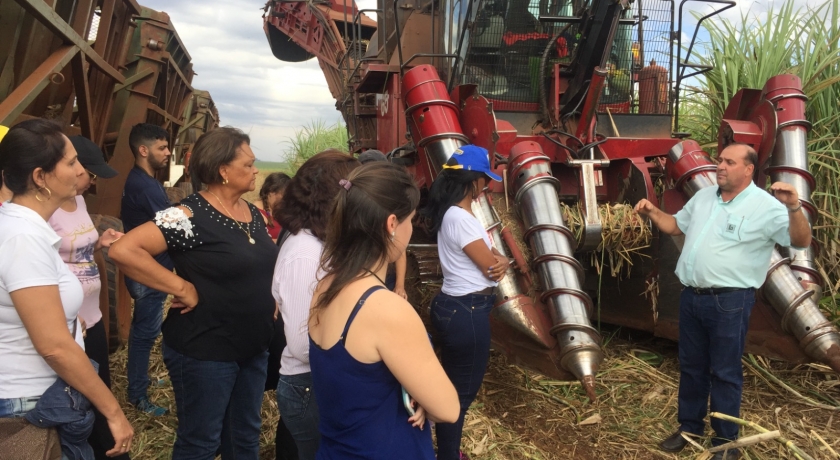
<point x="142" y="198"/>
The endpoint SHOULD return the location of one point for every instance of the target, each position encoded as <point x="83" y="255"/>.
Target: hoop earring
<point x="49" y="194"/>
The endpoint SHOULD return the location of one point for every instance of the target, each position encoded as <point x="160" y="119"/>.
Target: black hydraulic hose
<point x="564" y="133"/>
<point x="591" y="145"/>
<point x="543" y="66"/>
<point x="572" y="152"/>
<point x="466" y="22"/>
<point x="399" y="39"/>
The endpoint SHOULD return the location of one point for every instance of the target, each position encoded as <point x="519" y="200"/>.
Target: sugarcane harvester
<point x="575" y="101"/>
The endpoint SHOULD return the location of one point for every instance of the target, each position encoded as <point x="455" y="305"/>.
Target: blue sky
<point x="268" y="98"/>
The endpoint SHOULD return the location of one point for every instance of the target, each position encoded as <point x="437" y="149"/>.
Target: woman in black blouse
<point x="217" y="331"/>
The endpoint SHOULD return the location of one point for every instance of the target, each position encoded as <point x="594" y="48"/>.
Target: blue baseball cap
<point x="472" y="158"/>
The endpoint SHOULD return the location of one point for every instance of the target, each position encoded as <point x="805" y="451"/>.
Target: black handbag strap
<point x="282" y="237"/>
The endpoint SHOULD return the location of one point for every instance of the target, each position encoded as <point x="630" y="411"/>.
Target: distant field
<point x="266" y="168"/>
<point x="271" y="165"/>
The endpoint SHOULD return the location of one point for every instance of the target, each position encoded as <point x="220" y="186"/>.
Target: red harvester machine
<point x="576" y="102"/>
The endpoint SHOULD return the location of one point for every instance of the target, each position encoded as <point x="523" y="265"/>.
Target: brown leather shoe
<point x="730" y="455"/>
<point x="674" y="443"/>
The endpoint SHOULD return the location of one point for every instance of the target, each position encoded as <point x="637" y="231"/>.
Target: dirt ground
<point x="522" y="415"/>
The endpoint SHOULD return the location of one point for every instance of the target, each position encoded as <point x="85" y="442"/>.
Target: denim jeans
<point x="713" y="329"/>
<point x="17" y="407"/>
<point x="462" y="329"/>
<point x="145" y="329"/>
<point x="299" y="412"/>
<point x="218" y="404"/>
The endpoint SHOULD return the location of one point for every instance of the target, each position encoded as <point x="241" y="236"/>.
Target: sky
<point x="270" y="99"/>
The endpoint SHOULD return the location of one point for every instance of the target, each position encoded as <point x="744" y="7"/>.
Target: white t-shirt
<point x="28" y="258"/>
<point x="296" y="274"/>
<point x="460" y="274"/>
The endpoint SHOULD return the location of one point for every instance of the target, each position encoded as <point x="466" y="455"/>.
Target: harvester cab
<point x="577" y="103"/>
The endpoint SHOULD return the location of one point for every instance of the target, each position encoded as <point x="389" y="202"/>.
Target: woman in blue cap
<point x="472" y="267"/>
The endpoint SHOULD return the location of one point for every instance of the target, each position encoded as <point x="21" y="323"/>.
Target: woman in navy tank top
<point x="367" y="343"/>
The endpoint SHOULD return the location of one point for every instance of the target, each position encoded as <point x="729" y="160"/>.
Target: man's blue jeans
<point x="713" y="329"/>
<point x="299" y="412"/>
<point x="462" y="329"/>
<point x="145" y="329"/>
<point x="218" y="404"/>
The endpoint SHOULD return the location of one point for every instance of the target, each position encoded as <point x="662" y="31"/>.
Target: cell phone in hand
<point x="406" y="398"/>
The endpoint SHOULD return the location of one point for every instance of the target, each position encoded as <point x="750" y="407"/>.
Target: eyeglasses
<point x="92" y="175"/>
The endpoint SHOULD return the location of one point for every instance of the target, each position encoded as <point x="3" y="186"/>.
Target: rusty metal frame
<point x="47" y="87"/>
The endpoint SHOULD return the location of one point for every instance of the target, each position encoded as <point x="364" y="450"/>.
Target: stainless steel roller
<point x="789" y="164"/>
<point x="561" y="275"/>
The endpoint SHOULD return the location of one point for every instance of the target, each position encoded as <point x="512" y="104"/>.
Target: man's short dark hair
<point x="145" y="134"/>
<point x="371" y="155"/>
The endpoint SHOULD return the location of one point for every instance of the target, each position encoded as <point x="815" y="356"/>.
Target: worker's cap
<point x="371" y="155"/>
<point x="472" y="158"/>
<point x="91" y="157"/>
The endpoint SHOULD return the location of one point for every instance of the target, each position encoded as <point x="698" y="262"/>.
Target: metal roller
<point x="801" y="316"/>
<point x="433" y="116"/>
<point x="789" y="164"/>
<point x="512" y="306"/>
<point x="560" y="273"/>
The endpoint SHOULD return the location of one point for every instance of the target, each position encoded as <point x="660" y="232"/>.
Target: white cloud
<point x="253" y="90"/>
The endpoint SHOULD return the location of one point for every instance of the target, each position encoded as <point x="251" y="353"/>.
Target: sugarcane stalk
<point x="753" y="364"/>
<point x="830" y="449"/>
<point x="746" y="441"/>
<point x="796" y="451"/>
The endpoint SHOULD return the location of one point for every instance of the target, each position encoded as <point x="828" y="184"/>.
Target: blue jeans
<point x="713" y="329"/>
<point x="462" y="329"/>
<point x="17" y="407"/>
<point x="299" y="412"/>
<point x="145" y="329"/>
<point x="218" y="404"/>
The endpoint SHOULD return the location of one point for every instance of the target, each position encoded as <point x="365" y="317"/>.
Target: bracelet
<point x="796" y="208"/>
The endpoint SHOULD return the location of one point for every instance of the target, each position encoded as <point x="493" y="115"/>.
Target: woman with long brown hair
<point x="367" y="342"/>
<point x="471" y="266"/>
<point x="305" y="212"/>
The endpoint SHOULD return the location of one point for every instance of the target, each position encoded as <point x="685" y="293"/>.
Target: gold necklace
<point x="250" y="239"/>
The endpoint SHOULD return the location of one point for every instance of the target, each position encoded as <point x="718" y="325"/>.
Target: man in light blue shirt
<point x="730" y="232"/>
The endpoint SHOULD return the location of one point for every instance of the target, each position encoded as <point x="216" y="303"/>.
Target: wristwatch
<point x="796" y="208"/>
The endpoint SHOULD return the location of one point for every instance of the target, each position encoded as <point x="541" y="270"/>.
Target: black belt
<point x="713" y="291"/>
<point x="486" y="291"/>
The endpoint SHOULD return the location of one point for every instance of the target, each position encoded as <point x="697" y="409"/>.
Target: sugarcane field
<point x="437" y="230"/>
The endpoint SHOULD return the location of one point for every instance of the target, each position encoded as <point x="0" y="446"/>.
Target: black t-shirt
<point x="234" y="318"/>
<point x="143" y="197"/>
